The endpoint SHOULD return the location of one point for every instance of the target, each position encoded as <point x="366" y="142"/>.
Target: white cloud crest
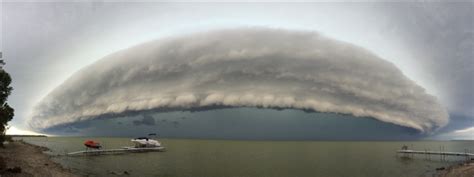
<point x="251" y="67"/>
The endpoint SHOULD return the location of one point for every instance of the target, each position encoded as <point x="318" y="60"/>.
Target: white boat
<point x="145" y="142"/>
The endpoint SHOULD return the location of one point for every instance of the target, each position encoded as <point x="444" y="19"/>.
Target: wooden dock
<point x="115" y="151"/>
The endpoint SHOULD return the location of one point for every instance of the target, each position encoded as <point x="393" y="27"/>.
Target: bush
<point x="6" y="112"/>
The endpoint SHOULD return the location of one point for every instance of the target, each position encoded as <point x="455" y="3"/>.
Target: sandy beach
<point x="463" y="170"/>
<point x="31" y="160"/>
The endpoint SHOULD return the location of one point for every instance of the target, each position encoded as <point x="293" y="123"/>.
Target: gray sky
<point x="45" y="43"/>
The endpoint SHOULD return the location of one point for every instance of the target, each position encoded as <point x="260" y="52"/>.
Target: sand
<point x="463" y="170"/>
<point x="31" y="160"/>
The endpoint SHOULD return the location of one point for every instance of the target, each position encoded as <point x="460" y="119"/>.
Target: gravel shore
<point x="463" y="170"/>
<point x="26" y="160"/>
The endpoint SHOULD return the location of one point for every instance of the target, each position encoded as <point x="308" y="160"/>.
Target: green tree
<point x="6" y="112"/>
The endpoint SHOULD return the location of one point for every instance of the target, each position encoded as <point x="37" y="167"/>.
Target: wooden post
<point x="441" y="155"/>
<point x="429" y="155"/>
<point x="426" y="155"/>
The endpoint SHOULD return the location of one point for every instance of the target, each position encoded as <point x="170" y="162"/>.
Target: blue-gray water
<point x="218" y="158"/>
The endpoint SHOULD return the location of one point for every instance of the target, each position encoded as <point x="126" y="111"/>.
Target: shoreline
<point x="459" y="170"/>
<point x="22" y="159"/>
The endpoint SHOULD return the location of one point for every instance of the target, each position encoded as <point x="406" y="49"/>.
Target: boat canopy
<point x="142" y="138"/>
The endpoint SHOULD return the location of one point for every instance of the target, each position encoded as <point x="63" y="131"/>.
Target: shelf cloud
<point x="243" y="67"/>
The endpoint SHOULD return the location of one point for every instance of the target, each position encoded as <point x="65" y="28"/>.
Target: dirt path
<point x="31" y="160"/>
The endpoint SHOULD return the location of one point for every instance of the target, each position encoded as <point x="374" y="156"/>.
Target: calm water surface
<point x="218" y="158"/>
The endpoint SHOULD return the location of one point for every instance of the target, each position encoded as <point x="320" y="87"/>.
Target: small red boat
<point x="92" y="144"/>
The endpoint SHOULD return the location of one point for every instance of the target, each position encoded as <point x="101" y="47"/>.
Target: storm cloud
<point x="147" y="120"/>
<point x="246" y="67"/>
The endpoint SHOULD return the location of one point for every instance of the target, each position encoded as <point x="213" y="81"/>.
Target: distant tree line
<point x="6" y="112"/>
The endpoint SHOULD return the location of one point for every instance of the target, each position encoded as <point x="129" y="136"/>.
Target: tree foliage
<point x="6" y="112"/>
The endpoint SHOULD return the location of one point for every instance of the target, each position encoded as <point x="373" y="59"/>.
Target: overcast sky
<point x="45" y="43"/>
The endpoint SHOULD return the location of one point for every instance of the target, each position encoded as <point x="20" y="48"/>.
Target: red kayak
<point x="92" y="144"/>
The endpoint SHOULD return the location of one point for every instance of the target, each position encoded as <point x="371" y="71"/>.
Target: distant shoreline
<point x="23" y="159"/>
<point x="26" y="136"/>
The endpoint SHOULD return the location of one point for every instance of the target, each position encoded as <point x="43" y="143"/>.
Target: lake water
<point x="219" y="158"/>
